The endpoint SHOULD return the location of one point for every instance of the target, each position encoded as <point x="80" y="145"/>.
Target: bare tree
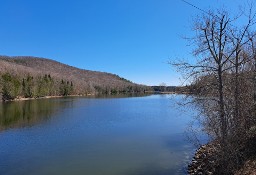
<point x="220" y="77"/>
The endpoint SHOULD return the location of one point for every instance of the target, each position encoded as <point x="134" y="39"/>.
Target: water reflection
<point x="98" y="136"/>
<point x="127" y="95"/>
<point x="26" y="113"/>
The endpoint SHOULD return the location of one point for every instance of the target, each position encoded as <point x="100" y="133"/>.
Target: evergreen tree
<point x="11" y="87"/>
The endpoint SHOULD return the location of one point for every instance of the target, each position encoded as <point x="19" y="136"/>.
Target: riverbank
<point x="205" y="162"/>
<point x="85" y="95"/>
<point x="45" y="97"/>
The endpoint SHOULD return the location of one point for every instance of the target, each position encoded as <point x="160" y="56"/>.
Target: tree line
<point x="16" y="86"/>
<point x="224" y="81"/>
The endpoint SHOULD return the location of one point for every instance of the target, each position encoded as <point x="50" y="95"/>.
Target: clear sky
<point x="132" y="38"/>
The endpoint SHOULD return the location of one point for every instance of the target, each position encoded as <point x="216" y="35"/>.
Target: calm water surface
<point x="94" y="136"/>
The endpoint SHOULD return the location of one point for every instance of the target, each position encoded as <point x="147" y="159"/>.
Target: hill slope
<point x="38" y="73"/>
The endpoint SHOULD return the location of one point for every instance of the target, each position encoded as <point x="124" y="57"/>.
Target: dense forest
<point x="33" y="77"/>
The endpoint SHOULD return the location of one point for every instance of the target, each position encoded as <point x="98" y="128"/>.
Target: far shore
<point x="45" y="97"/>
<point x="167" y="92"/>
<point x="87" y="95"/>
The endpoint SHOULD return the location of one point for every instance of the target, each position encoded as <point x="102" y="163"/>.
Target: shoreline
<point x="45" y="97"/>
<point x="57" y="96"/>
<point x="204" y="161"/>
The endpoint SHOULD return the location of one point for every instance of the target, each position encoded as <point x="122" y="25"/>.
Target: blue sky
<point x="132" y="38"/>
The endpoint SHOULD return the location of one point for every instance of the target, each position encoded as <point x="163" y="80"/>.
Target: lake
<point x="95" y="136"/>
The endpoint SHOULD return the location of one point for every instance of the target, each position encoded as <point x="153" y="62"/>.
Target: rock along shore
<point x="203" y="162"/>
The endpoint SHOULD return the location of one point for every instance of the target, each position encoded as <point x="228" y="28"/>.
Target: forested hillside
<point x="33" y="77"/>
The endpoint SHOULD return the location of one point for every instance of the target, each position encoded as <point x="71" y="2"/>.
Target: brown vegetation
<point x="37" y="77"/>
<point x="224" y="80"/>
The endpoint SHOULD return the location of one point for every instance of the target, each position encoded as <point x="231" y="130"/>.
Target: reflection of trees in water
<point x="25" y="113"/>
<point x="124" y="95"/>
